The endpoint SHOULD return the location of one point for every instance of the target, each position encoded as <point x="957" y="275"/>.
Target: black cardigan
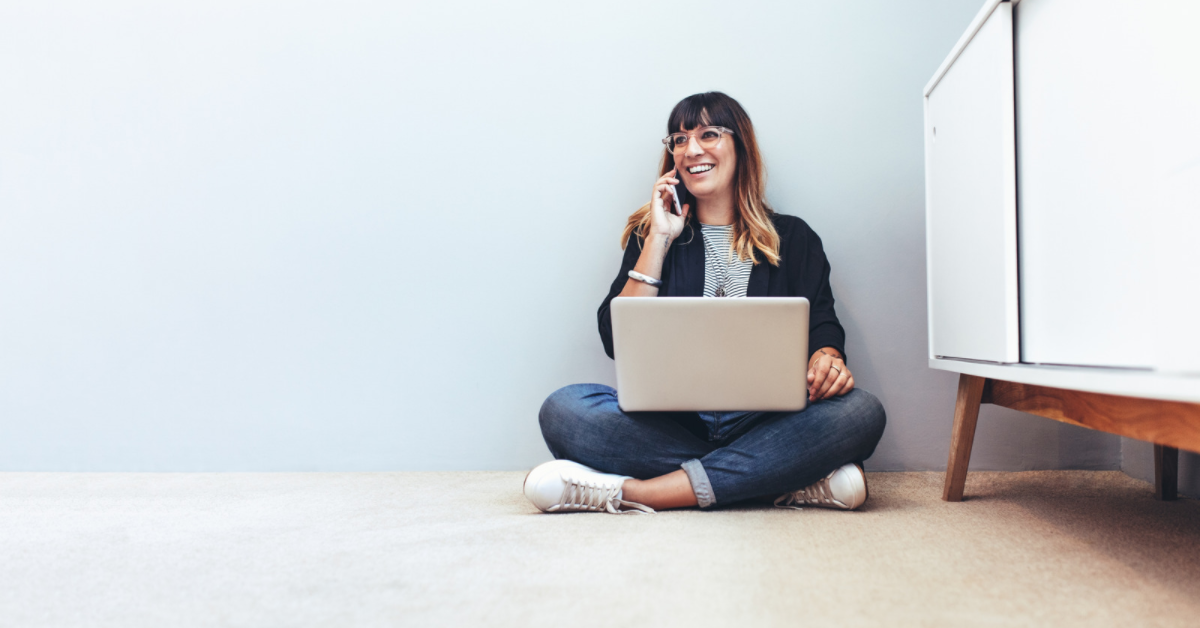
<point x="803" y="271"/>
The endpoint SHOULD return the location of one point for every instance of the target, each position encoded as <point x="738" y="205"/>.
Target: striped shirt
<point x="719" y="258"/>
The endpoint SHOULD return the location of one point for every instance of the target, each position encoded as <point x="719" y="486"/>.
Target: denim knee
<point x="560" y="415"/>
<point x="552" y="414"/>
<point x="869" y="419"/>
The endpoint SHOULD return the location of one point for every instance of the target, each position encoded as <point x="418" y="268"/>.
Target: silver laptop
<point x="694" y="353"/>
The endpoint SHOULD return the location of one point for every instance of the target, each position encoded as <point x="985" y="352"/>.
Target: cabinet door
<point x="1109" y="142"/>
<point x="970" y="179"/>
<point x="1176" y="271"/>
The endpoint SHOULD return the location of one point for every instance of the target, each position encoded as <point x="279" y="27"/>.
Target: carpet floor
<point x="1051" y="548"/>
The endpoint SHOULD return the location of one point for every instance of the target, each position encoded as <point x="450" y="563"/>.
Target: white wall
<point x="362" y="235"/>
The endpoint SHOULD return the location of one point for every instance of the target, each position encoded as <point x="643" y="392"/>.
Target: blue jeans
<point x="728" y="456"/>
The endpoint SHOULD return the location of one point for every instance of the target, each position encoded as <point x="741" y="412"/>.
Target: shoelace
<point x="595" y="497"/>
<point x="818" y="493"/>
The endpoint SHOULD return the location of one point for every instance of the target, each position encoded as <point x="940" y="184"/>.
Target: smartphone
<point x="678" y="210"/>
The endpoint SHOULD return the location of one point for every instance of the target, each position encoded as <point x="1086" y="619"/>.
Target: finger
<point x="818" y="385"/>
<point x="838" y="384"/>
<point x="686" y="207"/>
<point x="829" y="380"/>
<point x="844" y="388"/>
<point x="669" y="204"/>
<point x="663" y="187"/>
<point x="839" y="381"/>
<point x="661" y="191"/>
<point x="834" y="385"/>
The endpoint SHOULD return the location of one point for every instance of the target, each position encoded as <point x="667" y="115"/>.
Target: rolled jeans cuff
<point x="700" y="484"/>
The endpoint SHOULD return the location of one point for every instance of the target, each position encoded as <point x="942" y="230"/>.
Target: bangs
<point x="707" y="109"/>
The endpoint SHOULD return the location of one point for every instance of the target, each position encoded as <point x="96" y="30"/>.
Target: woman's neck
<point x="715" y="211"/>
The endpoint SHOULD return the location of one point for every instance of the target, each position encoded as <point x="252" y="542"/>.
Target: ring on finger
<point x="836" y="368"/>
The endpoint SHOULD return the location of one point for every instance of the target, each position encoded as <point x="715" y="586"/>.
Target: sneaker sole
<point x="866" y="487"/>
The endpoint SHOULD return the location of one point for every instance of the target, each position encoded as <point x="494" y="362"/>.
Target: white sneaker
<point x="565" y="486"/>
<point x="845" y="488"/>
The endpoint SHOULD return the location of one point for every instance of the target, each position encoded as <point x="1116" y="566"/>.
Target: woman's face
<point x="707" y="172"/>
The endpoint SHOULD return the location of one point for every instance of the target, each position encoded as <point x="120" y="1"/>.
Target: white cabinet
<point x="971" y="195"/>
<point x="1102" y="184"/>
<point x="1097" y="161"/>
<point x="1088" y="216"/>
<point x="1175" y="341"/>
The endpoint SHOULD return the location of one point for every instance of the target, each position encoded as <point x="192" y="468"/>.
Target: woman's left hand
<point x="828" y="375"/>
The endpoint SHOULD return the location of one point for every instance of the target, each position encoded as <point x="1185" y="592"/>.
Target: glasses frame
<point x="721" y="133"/>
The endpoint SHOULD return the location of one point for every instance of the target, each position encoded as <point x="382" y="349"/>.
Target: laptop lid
<point x="695" y="353"/>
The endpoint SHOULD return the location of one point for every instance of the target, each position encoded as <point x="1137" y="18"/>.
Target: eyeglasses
<point x="709" y="138"/>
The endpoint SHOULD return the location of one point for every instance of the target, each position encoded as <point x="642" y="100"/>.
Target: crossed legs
<point x="675" y="465"/>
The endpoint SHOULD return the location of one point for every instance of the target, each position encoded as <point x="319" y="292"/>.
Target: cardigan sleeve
<point x="824" y="330"/>
<point x="633" y="250"/>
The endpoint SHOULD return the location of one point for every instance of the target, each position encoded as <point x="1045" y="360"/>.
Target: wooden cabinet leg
<point x="966" y="413"/>
<point x="1166" y="472"/>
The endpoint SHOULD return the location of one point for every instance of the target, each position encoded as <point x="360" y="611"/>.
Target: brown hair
<point x="752" y="226"/>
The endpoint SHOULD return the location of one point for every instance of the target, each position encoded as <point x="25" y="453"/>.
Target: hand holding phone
<point x="677" y="209"/>
<point x="667" y="217"/>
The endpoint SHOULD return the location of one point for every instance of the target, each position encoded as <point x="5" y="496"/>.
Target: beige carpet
<point x="1063" y="548"/>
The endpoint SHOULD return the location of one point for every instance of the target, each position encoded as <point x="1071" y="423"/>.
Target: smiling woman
<point x="610" y="460"/>
<point x="713" y="162"/>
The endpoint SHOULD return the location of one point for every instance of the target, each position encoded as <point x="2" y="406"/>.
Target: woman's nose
<point x="693" y="147"/>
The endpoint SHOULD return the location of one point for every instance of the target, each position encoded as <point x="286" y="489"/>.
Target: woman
<point x="736" y="246"/>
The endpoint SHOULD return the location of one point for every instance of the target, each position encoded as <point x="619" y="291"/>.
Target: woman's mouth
<point x="697" y="169"/>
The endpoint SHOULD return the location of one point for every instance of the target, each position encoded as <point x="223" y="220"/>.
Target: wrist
<point x="653" y="282"/>
<point x="822" y="352"/>
<point x="657" y="244"/>
<point x="660" y="237"/>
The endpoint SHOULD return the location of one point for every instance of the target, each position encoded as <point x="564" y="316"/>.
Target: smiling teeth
<point x="699" y="169"/>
